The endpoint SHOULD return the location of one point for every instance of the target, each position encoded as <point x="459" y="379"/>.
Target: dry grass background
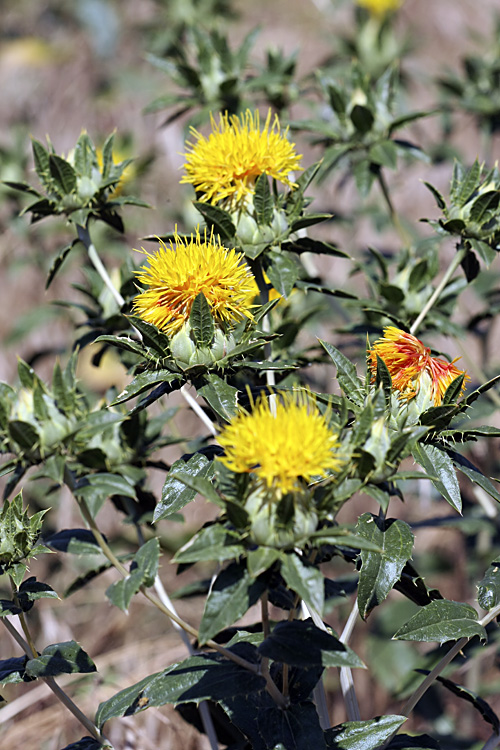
<point x="54" y="79"/>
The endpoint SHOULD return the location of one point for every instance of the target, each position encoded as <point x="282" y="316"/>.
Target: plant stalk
<point x="84" y="237"/>
<point x="440" y="666"/>
<point x="52" y="685"/>
<point x="459" y="256"/>
<point x="346" y="679"/>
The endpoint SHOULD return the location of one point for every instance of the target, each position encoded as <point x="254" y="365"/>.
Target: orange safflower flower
<point x="407" y="360"/>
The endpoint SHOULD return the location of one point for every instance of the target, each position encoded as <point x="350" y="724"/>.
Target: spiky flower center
<point x="227" y="163"/>
<point x="176" y="274"/>
<point x="284" y="444"/>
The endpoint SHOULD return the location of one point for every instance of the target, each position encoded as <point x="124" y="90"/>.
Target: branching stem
<point x="440" y="666"/>
<point x="30" y="651"/>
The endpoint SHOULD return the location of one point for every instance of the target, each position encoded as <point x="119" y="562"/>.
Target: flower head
<point x="410" y="365"/>
<point x="226" y="164"/>
<point x="281" y="443"/>
<point x="178" y="273"/>
<point x="380" y="7"/>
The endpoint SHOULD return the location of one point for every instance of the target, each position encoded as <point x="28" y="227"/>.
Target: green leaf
<point x="201" y="485"/>
<point x="439" y="467"/>
<point x="262" y="200"/>
<point x="74" y="541"/>
<point x="468" y="183"/>
<point x="304" y="580"/>
<point x="60" y="658"/>
<point x="384" y="153"/>
<point x="231" y="596"/>
<point x="261" y="559"/>
<point x="441" y="621"/>
<point x="383" y="378"/>
<point x="63" y="174"/>
<point x="147" y="560"/>
<point x="220" y="395"/>
<point x="488" y="589"/>
<point x="41" y="159"/>
<point x="86" y="743"/>
<point x="121" y="592"/>
<point x="85" y="158"/>
<point x="282" y="271"/>
<point x="475" y="700"/>
<point x="204" y="677"/>
<point x="362" y="118"/>
<point x="213" y="542"/>
<point x="437" y="195"/>
<point x="474" y="474"/>
<point x="13" y="670"/>
<point x="269" y="727"/>
<point x="346" y="373"/>
<point x="363" y="735"/>
<point x="301" y="644"/>
<point x="485" y="252"/>
<point x="482" y="204"/>
<point x="381" y="570"/>
<point x="202" y="322"/>
<point x="454" y="389"/>
<point x="175" y="494"/>
<point x="58" y="261"/>
<point x="30" y="590"/>
<point x="143" y="382"/>
<point x="217" y="218"/>
<point x="24" y="434"/>
<point x="96" y="488"/>
<point x="151" y="335"/>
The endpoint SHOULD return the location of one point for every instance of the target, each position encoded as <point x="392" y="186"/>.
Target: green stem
<point x="84" y="236"/>
<point x="459" y="256"/>
<point x="29" y="650"/>
<point x="256" y="267"/>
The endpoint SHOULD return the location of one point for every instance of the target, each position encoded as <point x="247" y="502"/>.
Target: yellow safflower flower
<point x="285" y="443"/>
<point x="225" y="165"/>
<point x="176" y="274"/>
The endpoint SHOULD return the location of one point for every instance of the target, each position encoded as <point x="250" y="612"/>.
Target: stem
<point x="198" y="410"/>
<point x="265" y="614"/>
<point x="346" y="679"/>
<point x="52" y="685"/>
<point x="319" y="690"/>
<point x="84" y="236"/>
<point x="493" y="742"/>
<point x="107" y="552"/>
<point x="266" y="325"/>
<point x="203" y="708"/>
<point x="459" y="256"/>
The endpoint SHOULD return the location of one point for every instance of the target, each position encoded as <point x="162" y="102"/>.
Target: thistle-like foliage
<point x="177" y="274"/>
<point x="285" y="443"/>
<point x="227" y="163"/>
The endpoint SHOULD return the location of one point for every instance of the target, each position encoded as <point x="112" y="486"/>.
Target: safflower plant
<point x="220" y="312"/>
